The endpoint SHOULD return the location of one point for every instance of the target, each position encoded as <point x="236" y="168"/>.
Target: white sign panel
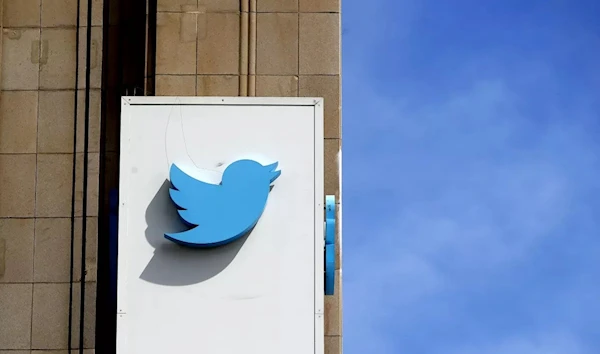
<point x="221" y="226"/>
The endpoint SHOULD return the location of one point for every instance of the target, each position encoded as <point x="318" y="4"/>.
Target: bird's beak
<point x="271" y="169"/>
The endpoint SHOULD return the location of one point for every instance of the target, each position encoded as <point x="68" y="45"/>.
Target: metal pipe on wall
<point x="1" y="36"/>
<point x="244" y="35"/>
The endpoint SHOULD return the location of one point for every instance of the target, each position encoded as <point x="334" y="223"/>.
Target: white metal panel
<point x="261" y="294"/>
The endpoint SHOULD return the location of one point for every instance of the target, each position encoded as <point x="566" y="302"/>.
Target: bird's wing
<point x="192" y="197"/>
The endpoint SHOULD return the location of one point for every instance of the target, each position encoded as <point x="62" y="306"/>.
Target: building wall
<point x="36" y="170"/>
<point x="203" y="48"/>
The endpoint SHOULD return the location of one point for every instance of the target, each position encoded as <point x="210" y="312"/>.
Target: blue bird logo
<point x="221" y="213"/>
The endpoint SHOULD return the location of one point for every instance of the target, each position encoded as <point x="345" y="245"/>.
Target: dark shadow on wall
<point x="173" y="264"/>
<point x="128" y="41"/>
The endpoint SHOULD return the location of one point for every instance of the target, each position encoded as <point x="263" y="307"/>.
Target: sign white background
<point x="261" y="294"/>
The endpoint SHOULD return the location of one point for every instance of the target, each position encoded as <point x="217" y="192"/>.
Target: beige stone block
<point x="56" y="13"/>
<point x="277" y="44"/>
<point x="332" y="167"/>
<point x="57" y="63"/>
<point x="176" y="5"/>
<point x="51" y="305"/>
<point x="53" y="249"/>
<point x="277" y="86"/>
<point x="319" y="43"/>
<point x="55" y="122"/>
<point x="320" y="5"/>
<point x="219" y="5"/>
<point x="277" y="5"/>
<point x="218" y="43"/>
<point x="333" y="309"/>
<point x="16" y="352"/>
<point x="2" y="256"/>
<point x="175" y="85"/>
<point x="95" y="58"/>
<point x="20" y="59"/>
<point x="18" y="121"/>
<point x="21" y="13"/>
<point x="50" y="317"/>
<point x="205" y="6"/>
<point x="217" y="85"/>
<point x="333" y="345"/>
<point x="176" y="37"/>
<point x="97" y="13"/>
<point x="18" y="250"/>
<point x="15" y="322"/>
<point x="327" y="87"/>
<point x="94" y="123"/>
<point x="73" y="351"/>
<point x="54" y="183"/>
<point x="91" y="249"/>
<point x="92" y="187"/>
<point x="89" y="319"/>
<point x="17" y="178"/>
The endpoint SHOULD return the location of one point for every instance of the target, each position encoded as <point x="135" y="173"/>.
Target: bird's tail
<point x="273" y="174"/>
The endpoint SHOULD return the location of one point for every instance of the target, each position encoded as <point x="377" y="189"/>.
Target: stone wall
<point x="37" y="154"/>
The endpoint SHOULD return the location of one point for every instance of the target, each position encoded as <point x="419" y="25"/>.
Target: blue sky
<point x="471" y="177"/>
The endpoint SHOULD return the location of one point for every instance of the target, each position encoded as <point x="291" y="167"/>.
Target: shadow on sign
<point x="173" y="264"/>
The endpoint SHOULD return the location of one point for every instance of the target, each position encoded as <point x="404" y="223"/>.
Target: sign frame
<point x="127" y="105"/>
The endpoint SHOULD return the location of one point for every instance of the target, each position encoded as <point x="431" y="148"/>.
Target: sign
<point x="221" y="233"/>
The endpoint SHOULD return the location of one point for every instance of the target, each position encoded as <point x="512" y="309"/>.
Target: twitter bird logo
<point x="221" y="213"/>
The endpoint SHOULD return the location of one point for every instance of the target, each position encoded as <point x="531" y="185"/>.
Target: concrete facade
<point x="203" y="48"/>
